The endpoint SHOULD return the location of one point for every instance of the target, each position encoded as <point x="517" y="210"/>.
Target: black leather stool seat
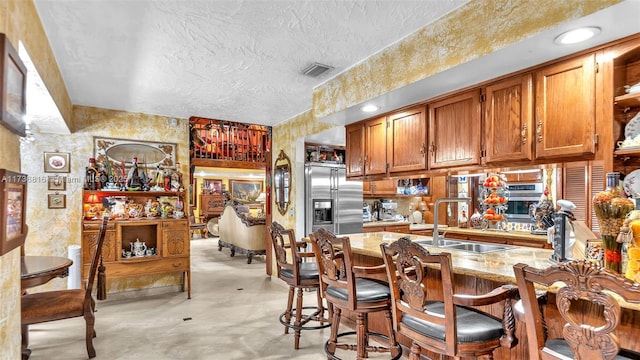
<point x="472" y="326"/>
<point x="367" y="290"/>
<point x="307" y="271"/>
<point x="560" y="346"/>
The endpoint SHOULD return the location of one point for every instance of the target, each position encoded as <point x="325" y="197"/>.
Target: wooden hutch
<point x="166" y="238"/>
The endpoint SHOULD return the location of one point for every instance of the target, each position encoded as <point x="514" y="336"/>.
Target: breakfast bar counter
<point x="495" y="266"/>
<point x="478" y="273"/>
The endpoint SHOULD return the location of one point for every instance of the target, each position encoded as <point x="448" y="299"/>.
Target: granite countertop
<point x="496" y="266"/>
<point x="514" y="235"/>
<point x="384" y="223"/>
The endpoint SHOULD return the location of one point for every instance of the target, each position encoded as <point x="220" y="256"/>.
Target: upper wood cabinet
<point x="355" y="149"/>
<point x="406" y="140"/>
<point x="380" y="187"/>
<point x="508" y="129"/>
<point x="454" y="131"/>
<point x="375" y="134"/>
<point x="366" y="148"/>
<point x="565" y="115"/>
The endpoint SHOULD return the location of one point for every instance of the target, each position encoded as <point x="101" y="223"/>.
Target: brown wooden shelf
<point x="628" y="100"/>
<point x="627" y="152"/>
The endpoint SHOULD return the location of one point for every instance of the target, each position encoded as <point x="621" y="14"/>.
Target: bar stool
<point x="358" y="289"/>
<point x="428" y="311"/>
<point x="587" y="300"/>
<point x="299" y="275"/>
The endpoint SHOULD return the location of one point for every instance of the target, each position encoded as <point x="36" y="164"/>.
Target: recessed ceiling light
<point x="577" y="35"/>
<point x="370" y="108"/>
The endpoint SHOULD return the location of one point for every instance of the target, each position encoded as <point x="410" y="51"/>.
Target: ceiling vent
<point x="316" y="69"/>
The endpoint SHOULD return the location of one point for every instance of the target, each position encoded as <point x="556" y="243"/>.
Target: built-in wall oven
<point x="521" y="197"/>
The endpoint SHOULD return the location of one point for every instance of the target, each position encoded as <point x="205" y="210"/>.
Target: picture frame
<point x="57" y="162"/>
<point x="57" y="201"/>
<point x="210" y="186"/>
<point x="57" y="183"/>
<point x="245" y="191"/>
<point x="13" y="88"/>
<point x="13" y="210"/>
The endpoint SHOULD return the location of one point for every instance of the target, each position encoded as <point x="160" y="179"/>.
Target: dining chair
<point x="299" y="275"/>
<point x="361" y="290"/>
<point x="586" y="296"/>
<point x="63" y="304"/>
<point x="196" y="225"/>
<point x="428" y="311"/>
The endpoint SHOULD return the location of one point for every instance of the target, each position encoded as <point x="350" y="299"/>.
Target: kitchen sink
<point x="469" y="246"/>
<point x="441" y="242"/>
<point x="477" y="248"/>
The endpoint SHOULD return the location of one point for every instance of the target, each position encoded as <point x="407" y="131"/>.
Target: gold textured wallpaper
<point x="475" y="29"/>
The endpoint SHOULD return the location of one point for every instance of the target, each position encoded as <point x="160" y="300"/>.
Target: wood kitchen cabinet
<point x="626" y="106"/>
<point x="384" y="187"/>
<point x="375" y="158"/>
<point x="366" y="148"/>
<point x="454" y="131"/>
<point x="508" y="114"/>
<point x="406" y="140"/>
<point x="167" y="240"/>
<point x="355" y="149"/>
<point x="565" y="111"/>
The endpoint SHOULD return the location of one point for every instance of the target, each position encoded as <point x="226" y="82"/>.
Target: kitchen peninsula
<point x="477" y="273"/>
<point x="518" y="238"/>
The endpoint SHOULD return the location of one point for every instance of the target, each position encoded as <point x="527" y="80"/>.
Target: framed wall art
<point x="56" y="162"/>
<point x="13" y="88"/>
<point x="210" y="186"/>
<point x="13" y="201"/>
<point x="57" y="183"/>
<point x="245" y="191"/>
<point x="57" y="201"/>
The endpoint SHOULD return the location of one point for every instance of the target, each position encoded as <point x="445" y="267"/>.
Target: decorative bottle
<point x="611" y="208"/>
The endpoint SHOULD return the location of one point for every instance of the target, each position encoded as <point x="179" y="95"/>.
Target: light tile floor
<point x="234" y="313"/>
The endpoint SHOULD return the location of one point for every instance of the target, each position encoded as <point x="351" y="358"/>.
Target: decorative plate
<point x="632" y="183"/>
<point x="633" y="127"/>
<point x="57" y="162"/>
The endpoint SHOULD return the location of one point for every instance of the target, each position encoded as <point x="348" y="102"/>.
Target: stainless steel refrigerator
<point x="331" y="201"/>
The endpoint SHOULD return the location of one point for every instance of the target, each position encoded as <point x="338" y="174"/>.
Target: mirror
<point x="281" y="182"/>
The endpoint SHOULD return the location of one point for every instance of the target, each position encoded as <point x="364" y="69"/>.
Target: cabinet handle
<point x="524" y="134"/>
<point x="422" y="149"/>
<point x="432" y="149"/>
<point x="365" y="161"/>
<point x="360" y="160"/>
<point x="539" y="131"/>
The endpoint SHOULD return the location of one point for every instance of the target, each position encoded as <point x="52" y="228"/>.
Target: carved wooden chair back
<point x="426" y="308"/>
<point x="334" y="265"/>
<point x="196" y="225"/>
<point x="287" y="256"/>
<point x="63" y="304"/>
<point x="586" y="300"/>
<point x="298" y="274"/>
<point x="358" y="289"/>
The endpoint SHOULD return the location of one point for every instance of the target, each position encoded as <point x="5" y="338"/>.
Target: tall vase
<point x="611" y="208"/>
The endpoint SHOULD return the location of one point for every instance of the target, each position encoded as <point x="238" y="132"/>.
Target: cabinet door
<point x="375" y="160"/>
<point x="508" y="114"/>
<point x="384" y="187"/>
<point x="175" y="238"/>
<point x="454" y="131"/>
<point x="565" y="115"/>
<point x="354" y="149"/>
<point x="89" y="241"/>
<point x="406" y="140"/>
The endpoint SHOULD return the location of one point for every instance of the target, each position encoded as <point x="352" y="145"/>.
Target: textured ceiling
<point x="233" y="60"/>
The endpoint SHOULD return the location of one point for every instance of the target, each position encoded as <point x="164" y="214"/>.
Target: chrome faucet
<point x="436" y="235"/>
